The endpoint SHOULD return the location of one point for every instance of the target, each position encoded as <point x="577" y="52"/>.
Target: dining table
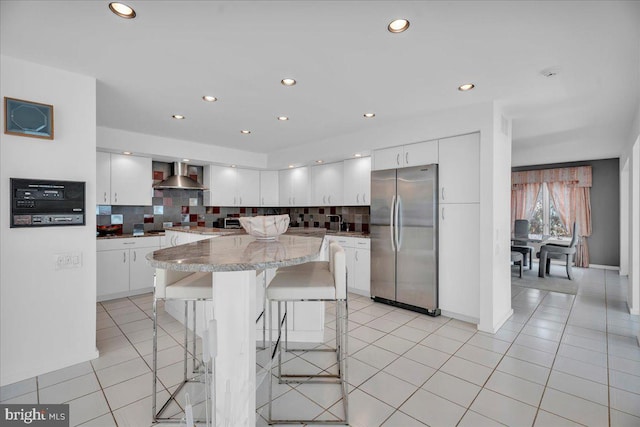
<point x="531" y="238"/>
<point x="234" y="261"/>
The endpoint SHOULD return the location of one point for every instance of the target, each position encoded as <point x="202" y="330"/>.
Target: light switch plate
<point x="67" y="260"/>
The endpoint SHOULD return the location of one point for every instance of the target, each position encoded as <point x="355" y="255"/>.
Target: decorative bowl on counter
<point x="265" y="227"/>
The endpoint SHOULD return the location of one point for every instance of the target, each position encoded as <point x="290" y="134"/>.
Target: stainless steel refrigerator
<point x="404" y="238"/>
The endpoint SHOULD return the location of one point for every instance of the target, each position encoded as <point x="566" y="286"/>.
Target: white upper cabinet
<point x="123" y="180"/>
<point x="294" y="187"/>
<point x="221" y="181"/>
<point x="248" y="187"/>
<point x="327" y="184"/>
<point x="357" y="181"/>
<point x="231" y="186"/>
<point x="103" y="178"/>
<point x="269" y="188"/>
<point x="459" y="171"/>
<point x="388" y="158"/>
<point x="421" y="153"/>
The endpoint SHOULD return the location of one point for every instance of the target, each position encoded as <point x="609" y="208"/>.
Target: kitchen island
<point x="235" y="261"/>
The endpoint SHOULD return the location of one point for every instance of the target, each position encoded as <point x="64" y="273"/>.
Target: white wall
<point x="559" y="151"/>
<point x="495" y="220"/>
<point x="630" y="166"/>
<point x="168" y="149"/>
<point x="48" y="316"/>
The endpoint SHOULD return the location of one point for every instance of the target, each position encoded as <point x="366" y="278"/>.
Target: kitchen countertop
<point x="230" y="231"/>
<point x="240" y="252"/>
<point x="128" y="235"/>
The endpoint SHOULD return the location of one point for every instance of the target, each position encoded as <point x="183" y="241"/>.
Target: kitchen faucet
<point x="339" y="220"/>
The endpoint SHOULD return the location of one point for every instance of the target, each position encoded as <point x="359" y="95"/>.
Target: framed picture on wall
<point x="26" y="118"/>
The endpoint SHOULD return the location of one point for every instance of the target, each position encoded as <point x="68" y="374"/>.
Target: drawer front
<point x="128" y="243"/>
<point x="362" y="243"/>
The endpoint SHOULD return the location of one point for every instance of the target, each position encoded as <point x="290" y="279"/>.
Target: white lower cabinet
<point x="358" y="259"/>
<point x="122" y="268"/>
<point x="459" y="265"/>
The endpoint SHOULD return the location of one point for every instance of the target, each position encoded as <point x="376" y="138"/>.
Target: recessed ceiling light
<point x="245" y="132"/>
<point x="290" y="166"/>
<point x="369" y="115"/>
<point x="283" y="118"/>
<point x="186" y="160"/>
<point x="398" y="25"/>
<point x="128" y="153"/>
<point x="465" y="87"/>
<point x="357" y="155"/>
<point x="288" y="82"/>
<point x="122" y="10"/>
<point x="178" y="116"/>
<point x="209" y="98"/>
<point x="319" y="161"/>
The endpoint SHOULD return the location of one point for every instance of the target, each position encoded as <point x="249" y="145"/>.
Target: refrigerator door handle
<point x="391" y="223"/>
<point x="398" y="237"/>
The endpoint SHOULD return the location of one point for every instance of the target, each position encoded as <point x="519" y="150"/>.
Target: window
<point x="545" y="219"/>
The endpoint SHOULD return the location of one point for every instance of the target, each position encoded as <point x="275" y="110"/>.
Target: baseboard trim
<point x="605" y="267"/>
<point x="494" y="328"/>
<point x="461" y="317"/>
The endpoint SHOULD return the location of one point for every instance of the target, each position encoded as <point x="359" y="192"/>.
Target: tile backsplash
<point x="186" y="207"/>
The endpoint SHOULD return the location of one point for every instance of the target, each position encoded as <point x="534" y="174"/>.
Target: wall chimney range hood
<point x="179" y="179"/>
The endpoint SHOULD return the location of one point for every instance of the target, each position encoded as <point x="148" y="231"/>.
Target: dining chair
<point x="521" y="230"/>
<point x="555" y="251"/>
<point x="516" y="259"/>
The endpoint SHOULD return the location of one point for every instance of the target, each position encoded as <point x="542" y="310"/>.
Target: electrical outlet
<point x="67" y="260"/>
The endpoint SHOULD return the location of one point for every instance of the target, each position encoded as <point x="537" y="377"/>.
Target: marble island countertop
<point x="291" y="230"/>
<point x="240" y="252"/>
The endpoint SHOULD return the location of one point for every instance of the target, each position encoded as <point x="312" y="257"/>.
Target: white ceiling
<point x="346" y="63"/>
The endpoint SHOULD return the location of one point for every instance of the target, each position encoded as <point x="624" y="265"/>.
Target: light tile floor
<point x="560" y="360"/>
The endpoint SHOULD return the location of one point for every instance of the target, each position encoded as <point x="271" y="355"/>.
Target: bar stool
<point x="312" y="283"/>
<point x="181" y="286"/>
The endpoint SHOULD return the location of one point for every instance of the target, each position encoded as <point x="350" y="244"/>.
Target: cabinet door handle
<point x="356" y="255"/>
<point x="134" y="256"/>
<point x="406" y="157"/>
<point x="443" y="213"/>
<point x="105" y="197"/>
<point x="124" y="257"/>
<point x="364" y="198"/>
<point x="442" y="193"/>
<point x="398" y="159"/>
<point x="358" y="198"/>
<point x="115" y="196"/>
